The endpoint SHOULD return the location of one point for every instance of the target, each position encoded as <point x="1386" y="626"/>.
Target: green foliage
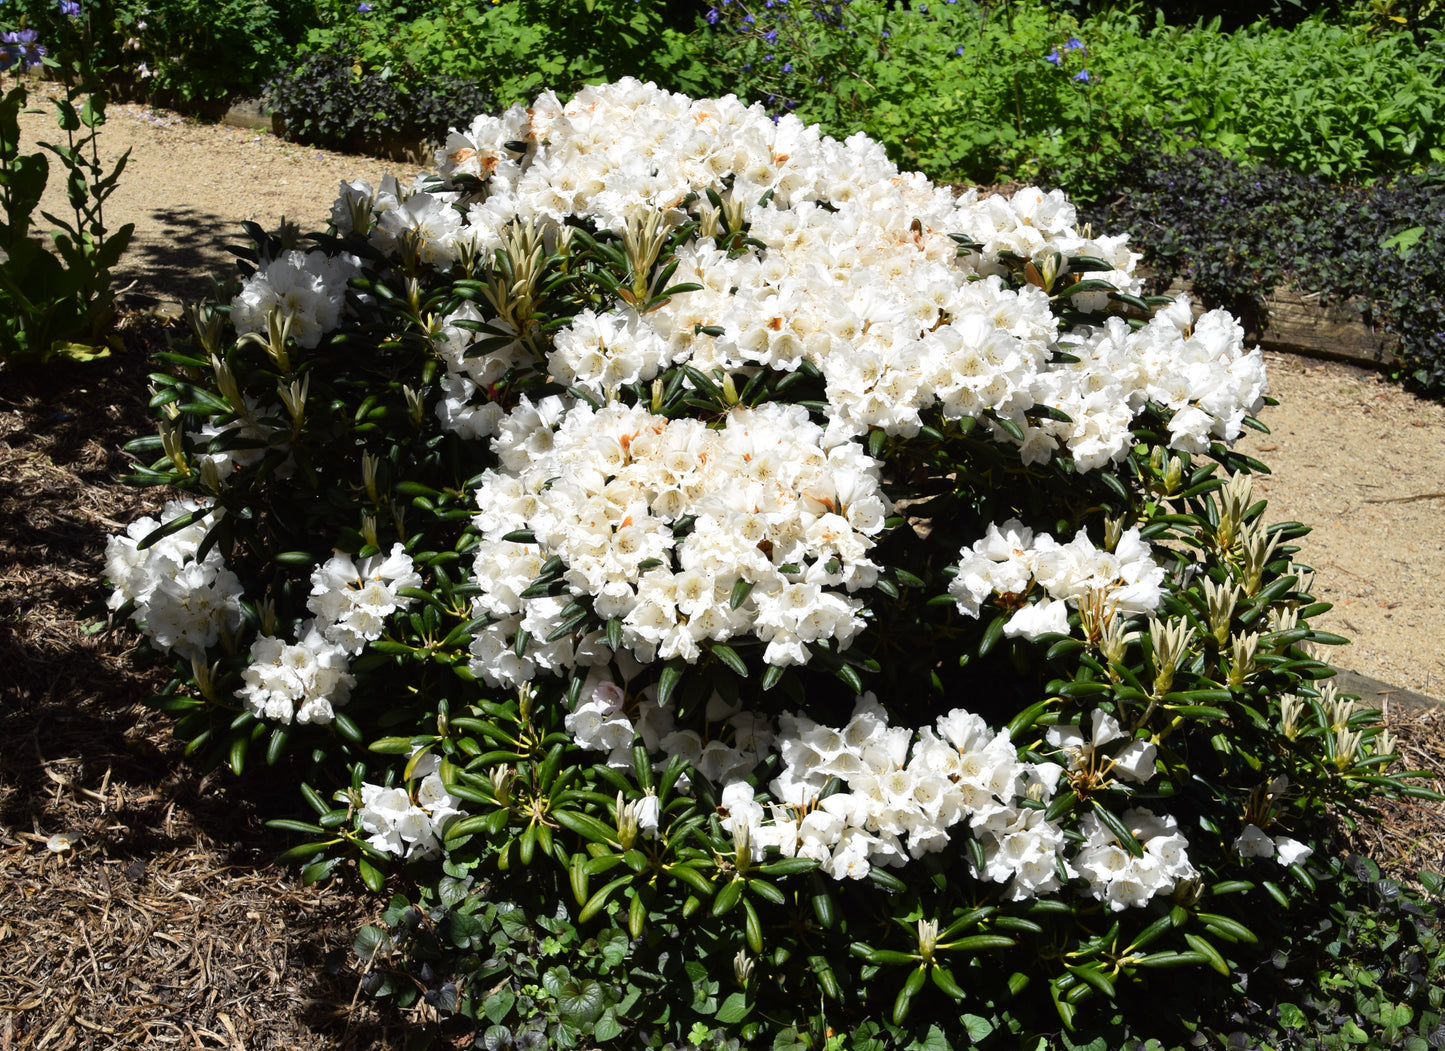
<point x="982" y="94"/>
<point x="513" y="49"/>
<point x="176" y="50"/>
<point x="57" y="304"/>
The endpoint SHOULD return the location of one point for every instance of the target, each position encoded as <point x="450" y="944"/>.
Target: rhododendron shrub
<point x="832" y="596"/>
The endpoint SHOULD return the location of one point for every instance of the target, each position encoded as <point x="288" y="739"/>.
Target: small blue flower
<point x="1075" y="44"/>
<point x="363" y="8"/>
<point x="1082" y="76"/>
<point x="712" y="16"/>
<point x="787" y="67"/>
<point x="958" y="50"/>
<point x="747" y="67"/>
<point x="747" y="20"/>
<point x="70" y="8"/>
<point x="1053" y="57"/>
<point x="767" y="58"/>
<point x="771" y="36"/>
<point x="886" y="34"/>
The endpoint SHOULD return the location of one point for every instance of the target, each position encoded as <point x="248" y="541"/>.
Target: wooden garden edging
<point x="1301" y="324"/>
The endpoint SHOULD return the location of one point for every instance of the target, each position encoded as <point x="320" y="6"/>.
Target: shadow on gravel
<point x="182" y="258"/>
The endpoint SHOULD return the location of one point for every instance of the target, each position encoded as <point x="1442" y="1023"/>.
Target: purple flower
<point x="747" y="20"/>
<point x="70" y="8"/>
<point x="1053" y="57"/>
<point x="1082" y="76"/>
<point x="712" y="16"/>
<point x="19" y="46"/>
<point x="1075" y="44"/>
<point x="363" y="8"/>
<point x="771" y="36"/>
<point x="958" y="50"/>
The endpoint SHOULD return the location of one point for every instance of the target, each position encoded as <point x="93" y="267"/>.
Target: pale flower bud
<point x="1220" y="600"/>
<point x="742" y="845"/>
<point x="742" y="968"/>
<point x="1259" y="545"/>
<point x="1113" y="530"/>
<point x="1241" y="658"/>
<point x="626" y="822"/>
<point x="1290" y="709"/>
<point x="927" y="939"/>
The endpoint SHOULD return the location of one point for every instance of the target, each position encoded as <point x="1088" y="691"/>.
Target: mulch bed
<point x="138" y="905"/>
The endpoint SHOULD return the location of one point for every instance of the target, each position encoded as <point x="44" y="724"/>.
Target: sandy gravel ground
<point x="1353" y="455"/>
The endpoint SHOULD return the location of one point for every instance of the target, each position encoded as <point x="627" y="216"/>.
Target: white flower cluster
<point x="1012" y="560"/>
<point x="308" y="680"/>
<point x="1196" y="369"/>
<point x="302" y="682"/>
<point x="770" y="507"/>
<point x="183" y="604"/>
<point x="904" y="792"/>
<point x="1134" y="761"/>
<point x="308" y="287"/>
<point x="351" y="602"/>
<point x="856" y="273"/>
<point x="409" y="821"/>
<point x="737" y="742"/>
<point x="1254" y="842"/>
<point x="1121" y="880"/>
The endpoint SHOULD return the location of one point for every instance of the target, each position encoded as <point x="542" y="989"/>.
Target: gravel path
<point x="1353" y="455"/>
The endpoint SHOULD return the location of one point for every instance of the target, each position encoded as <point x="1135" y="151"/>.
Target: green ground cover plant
<point x="1238" y="232"/>
<point x="886" y="652"/>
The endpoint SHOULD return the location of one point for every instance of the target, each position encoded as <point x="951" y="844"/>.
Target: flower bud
<point x="927" y="939"/>
<point x="742" y="968"/>
<point x="626" y="822"/>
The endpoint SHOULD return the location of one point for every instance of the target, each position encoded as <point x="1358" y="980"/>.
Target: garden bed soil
<point x="160" y="923"/>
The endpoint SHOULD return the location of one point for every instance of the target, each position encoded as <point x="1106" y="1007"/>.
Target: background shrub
<point x="177" y="50"/>
<point x="323" y="101"/>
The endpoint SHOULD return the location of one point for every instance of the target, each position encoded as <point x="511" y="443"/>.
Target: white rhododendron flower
<point x="770" y="504"/>
<point x="905" y="795"/>
<point x="409" y="821"/>
<point x="1010" y="561"/>
<point x="850" y="266"/>
<point x="351" y="602"/>
<point x="1121" y="880"/>
<point x="309" y="288"/>
<point x="182" y="604"/>
<point x="1254" y="842"/>
<point x="303" y="682"/>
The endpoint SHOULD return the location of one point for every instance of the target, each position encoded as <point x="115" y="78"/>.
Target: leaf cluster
<point x="57" y="303"/>
<point x="970" y="92"/>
